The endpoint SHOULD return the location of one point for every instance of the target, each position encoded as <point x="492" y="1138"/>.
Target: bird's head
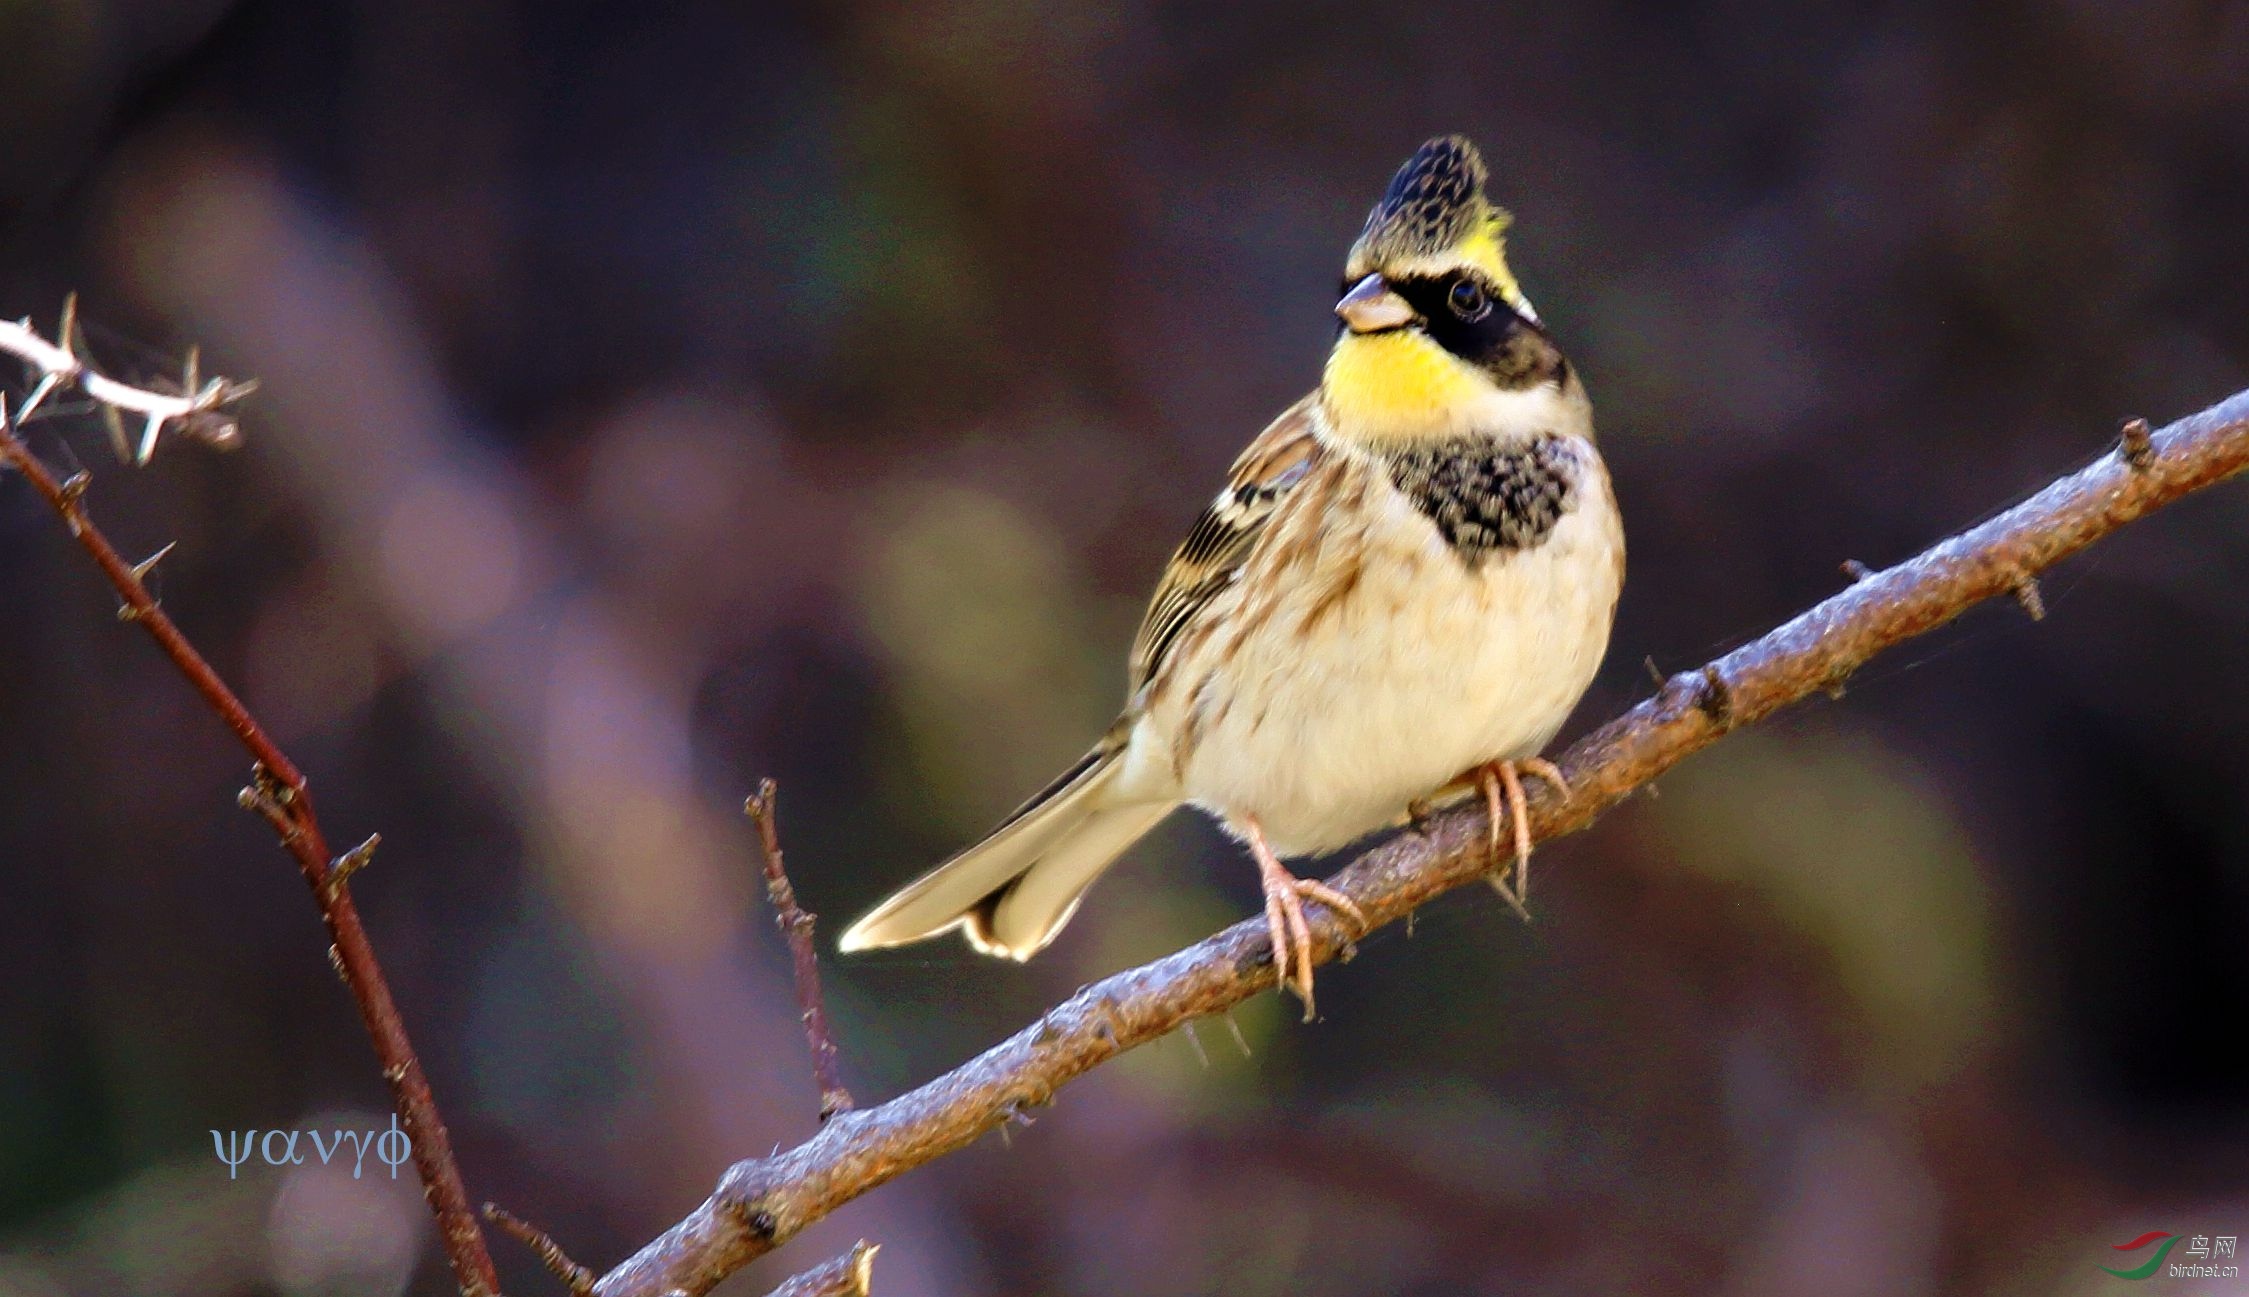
<point x="1437" y="338"/>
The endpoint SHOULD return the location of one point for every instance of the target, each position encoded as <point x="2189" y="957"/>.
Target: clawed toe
<point x="1344" y="906"/>
<point x="1541" y="768"/>
<point x="1285" y="923"/>
<point x="1502" y="786"/>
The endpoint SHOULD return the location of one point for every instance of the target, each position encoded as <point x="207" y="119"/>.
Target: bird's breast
<point x="1389" y="634"/>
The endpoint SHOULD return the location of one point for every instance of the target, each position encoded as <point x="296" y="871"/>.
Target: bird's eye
<point x="1467" y="299"/>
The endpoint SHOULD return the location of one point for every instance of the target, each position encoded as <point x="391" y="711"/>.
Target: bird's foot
<point x="1502" y="784"/>
<point x="1285" y="924"/>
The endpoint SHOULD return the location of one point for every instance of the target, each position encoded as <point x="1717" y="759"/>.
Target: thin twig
<point x="796" y="927"/>
<point x="278" y="792"/>
<point x="575" y="1277"/>
<point x="849" y="1275"/>
<point x="761" y="1202"/>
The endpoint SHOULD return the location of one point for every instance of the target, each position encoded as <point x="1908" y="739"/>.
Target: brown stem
<point x="796" y="927"/>
<point x="575" y="1277"/>
<point x="761" y="1202"/>
<point x="278" y="791"/>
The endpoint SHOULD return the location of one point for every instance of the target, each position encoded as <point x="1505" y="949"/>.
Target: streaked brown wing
<point x="1206" y="562"/>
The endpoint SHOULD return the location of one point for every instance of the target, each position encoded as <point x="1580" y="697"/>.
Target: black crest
<point x="1435" y="201"/>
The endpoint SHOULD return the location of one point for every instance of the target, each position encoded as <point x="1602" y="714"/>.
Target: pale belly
<point x="1424" y="670"/>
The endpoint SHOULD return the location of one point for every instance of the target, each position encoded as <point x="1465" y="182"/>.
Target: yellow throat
<point x="1398" y="387"/>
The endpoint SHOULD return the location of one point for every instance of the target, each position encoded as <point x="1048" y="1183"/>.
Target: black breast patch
<point x="1486" y="497"/>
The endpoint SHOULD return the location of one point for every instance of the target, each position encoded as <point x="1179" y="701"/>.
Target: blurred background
<point x="661" y="396"/>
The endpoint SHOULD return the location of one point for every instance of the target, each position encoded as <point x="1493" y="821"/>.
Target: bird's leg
<point x="1285" y="923"/>
<point x="1502" y="780"/>
<point x="1277" y="928"/>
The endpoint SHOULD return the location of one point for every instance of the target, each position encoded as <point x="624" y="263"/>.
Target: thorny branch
<point x="198" y="409"/>
<point x="796" y="927"/>
<point x="762" y="1202"/>
<point x="277" y="788"/>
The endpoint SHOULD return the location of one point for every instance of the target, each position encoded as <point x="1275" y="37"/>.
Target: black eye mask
<point x="1491" y="335"/>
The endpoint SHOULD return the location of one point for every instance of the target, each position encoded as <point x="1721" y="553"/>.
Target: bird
<point x="1395" y="601"/>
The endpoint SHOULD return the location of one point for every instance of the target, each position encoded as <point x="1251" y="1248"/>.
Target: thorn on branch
<point x="351" y="862"/>
<point x="47" y="384"/>
<point x="1856" y="570"/>
<point x="150" y="431"/>
<point x="133" y="609"/>
<point x="578" y="1279"/>
<point x="148" y="565"/>
<point x="1653" y="672"/>
<point x="2135" y="445"/>
<point x="797" y="929"/>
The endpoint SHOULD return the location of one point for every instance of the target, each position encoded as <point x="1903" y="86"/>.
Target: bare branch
<point x="762" y="1202"/>
<point x="796" y="927"/>
<point x="277" y="791"/>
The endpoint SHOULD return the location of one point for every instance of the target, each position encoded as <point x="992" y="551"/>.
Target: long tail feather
<point x="1019" y="919"/>
<point x="1014" y="890"/>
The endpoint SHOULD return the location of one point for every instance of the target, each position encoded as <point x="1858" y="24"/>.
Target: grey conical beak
<point x="1371" y="307"/>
